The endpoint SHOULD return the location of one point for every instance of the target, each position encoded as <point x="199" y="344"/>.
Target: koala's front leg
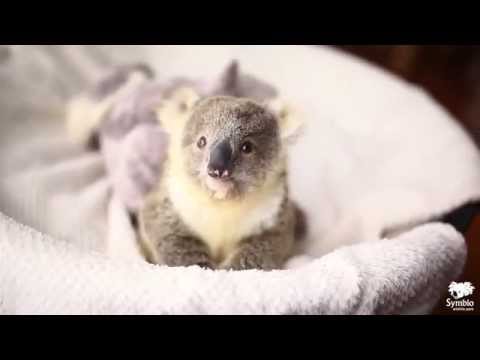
<point x="168" y="240"/>
<point x="176" y="250"/>
<point x="268" y="251"/>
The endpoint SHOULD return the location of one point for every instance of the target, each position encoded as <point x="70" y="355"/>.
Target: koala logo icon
<point x="460" y="290"/>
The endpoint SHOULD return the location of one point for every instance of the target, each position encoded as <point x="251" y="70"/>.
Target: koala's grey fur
<point x="165" y="234"/>
<point x="168" y="237"/>
<point x="214" y="117"/>
<point x="168" y="240"/>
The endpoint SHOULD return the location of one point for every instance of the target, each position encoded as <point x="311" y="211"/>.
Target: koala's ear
<point x="185" y="98"/>
<point x="175" y="110"/>
<point x="290" y="120"/>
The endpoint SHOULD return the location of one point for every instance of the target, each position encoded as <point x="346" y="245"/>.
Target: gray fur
<point x="270" y="249"/>
<point x="163" y="232"/>
<point x="234" y="120"/>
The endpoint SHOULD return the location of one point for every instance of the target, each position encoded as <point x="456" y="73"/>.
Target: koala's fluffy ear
<point x="290" y="120"/>
<point x="174" y="111"/>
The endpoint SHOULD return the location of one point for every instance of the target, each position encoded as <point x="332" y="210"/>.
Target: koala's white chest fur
<point x="222" y="224"/>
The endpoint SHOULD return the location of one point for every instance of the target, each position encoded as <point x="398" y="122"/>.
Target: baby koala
<point x="222" y="201"/>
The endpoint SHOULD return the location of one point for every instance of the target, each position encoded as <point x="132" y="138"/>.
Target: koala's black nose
<point x="220" y="164"/>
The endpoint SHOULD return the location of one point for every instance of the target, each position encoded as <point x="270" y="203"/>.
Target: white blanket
<point x="377" y="155"/>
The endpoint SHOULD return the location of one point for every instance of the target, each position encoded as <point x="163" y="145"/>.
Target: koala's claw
<point x="244" y="261"/>
<point x="205" y="265"/>
<point x="190" y="259"/>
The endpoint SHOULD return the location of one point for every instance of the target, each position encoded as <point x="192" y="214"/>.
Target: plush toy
<point x="119" y="117"/>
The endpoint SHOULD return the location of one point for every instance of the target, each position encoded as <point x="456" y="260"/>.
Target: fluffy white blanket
<point x="377" y="159"/>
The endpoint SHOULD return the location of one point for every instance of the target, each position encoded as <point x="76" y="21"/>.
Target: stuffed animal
<point x="119" y="118"/>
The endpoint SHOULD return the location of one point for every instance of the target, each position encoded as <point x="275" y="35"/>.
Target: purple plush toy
<point x="118" y="117"/>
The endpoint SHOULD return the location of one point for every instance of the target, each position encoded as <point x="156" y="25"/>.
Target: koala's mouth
<point x="220" y="187"/>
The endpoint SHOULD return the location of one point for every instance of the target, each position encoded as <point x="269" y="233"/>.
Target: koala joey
<point x="222" y="201"/>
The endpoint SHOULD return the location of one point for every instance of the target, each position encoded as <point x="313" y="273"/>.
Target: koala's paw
<point x="205" y="265"/>
<point x="190" y="259"/>
<point x="244" y="260"/>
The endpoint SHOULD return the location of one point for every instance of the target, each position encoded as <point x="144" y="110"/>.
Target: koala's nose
<point x="220" y="163"/>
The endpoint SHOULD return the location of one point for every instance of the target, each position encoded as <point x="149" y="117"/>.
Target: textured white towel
<point x="39" y="275"/>
<point x="376" y="153"/>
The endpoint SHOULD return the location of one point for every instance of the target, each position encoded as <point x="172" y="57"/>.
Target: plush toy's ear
<point x="290" y="120"/>
<point x="174" y="111"/>
<point x="227" y="82"/>
<point x="230" y="77"/>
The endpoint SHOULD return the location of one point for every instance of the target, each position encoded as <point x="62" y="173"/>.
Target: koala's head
<point x="232" y="145"/>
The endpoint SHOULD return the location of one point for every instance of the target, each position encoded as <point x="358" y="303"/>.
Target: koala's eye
<point x="201" y="142"/>
<point x="247" y="147"/>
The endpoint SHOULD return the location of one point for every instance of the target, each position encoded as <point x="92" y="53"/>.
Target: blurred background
<point x="451" y="74"/>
